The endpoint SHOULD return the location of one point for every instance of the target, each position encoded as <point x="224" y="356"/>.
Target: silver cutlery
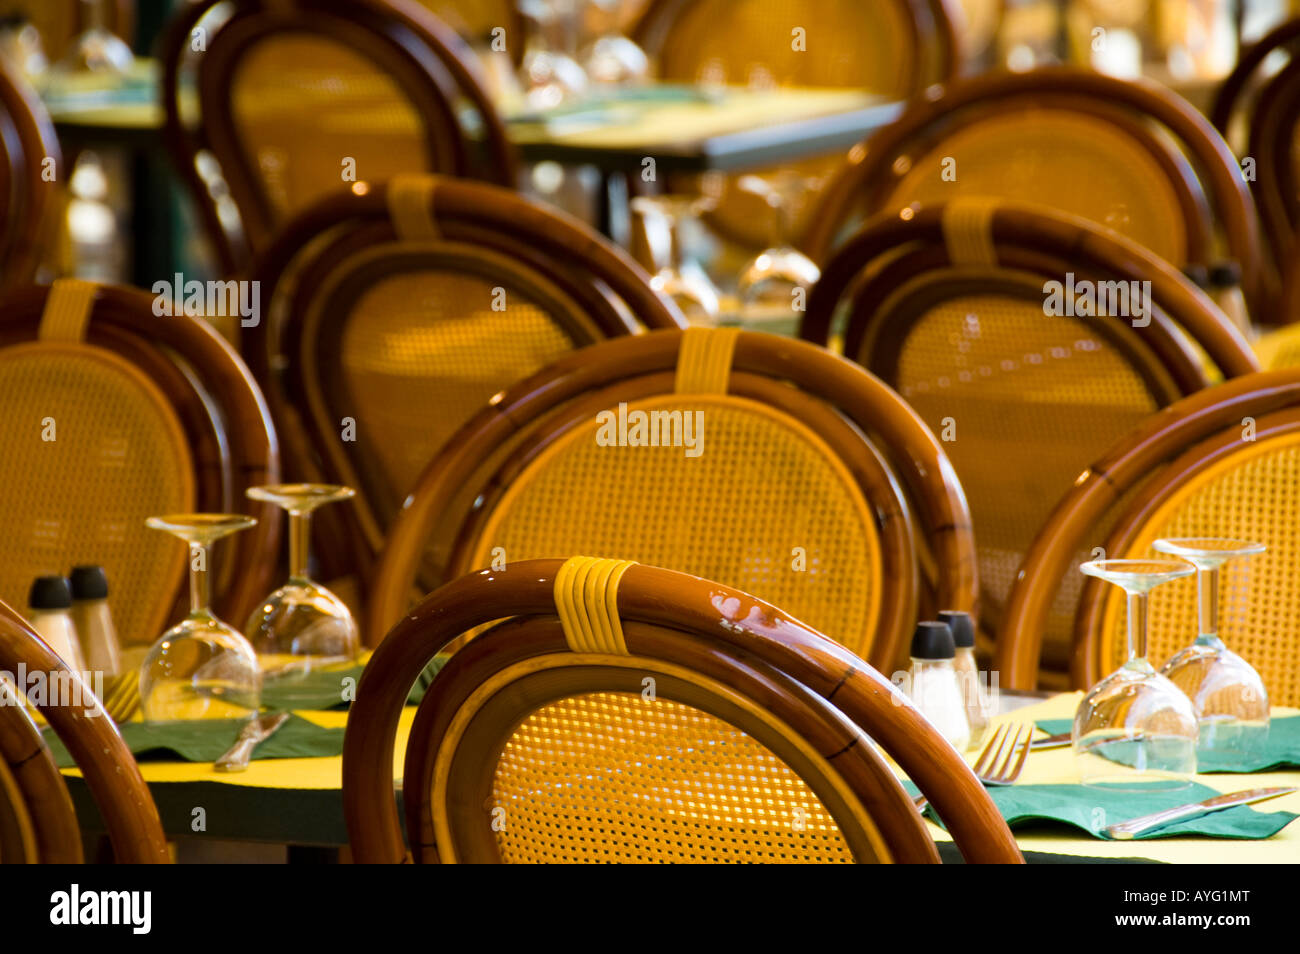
<point x="1125" y="830"/>
<point x="254" y="732"/>
<point x="993" y="767"/>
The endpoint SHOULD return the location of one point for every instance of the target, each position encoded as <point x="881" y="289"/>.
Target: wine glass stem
<point x="1137" y="626"/>
<point x="200" y="584"/>
<point x="1207" y="597"/>
<point x="299" y="544"/>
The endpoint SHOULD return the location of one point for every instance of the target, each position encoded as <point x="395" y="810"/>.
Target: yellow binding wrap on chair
<point x="410" y="206"/>
<point x="704" y="361"/>
<point x="968" y="231"/>
<point x="67" y="310"/>
<point x="586" y="599"/>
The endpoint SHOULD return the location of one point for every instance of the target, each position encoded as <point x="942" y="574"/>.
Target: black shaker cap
<point x="962" y="626"/>
<point x="933" y="641"/>
<point x="89" y="583"/>
<point x="50" y="593"/>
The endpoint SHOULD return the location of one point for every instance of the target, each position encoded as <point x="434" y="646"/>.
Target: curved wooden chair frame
<point x="610" y="288"/>
<point x="1132" y="460"/>
<point x="667" y="617"/>
<point x="36" y="812"/>
<point x="871" y="172"/>
<point x="431" y="64"/>
<point x="232" y="439"/>
<point x="1030" y="239"/>
<point x="27" y="142"/>
<point x="929" y="19"/>
<point x="1228" y="97"/>
<point x="629" y="368"/>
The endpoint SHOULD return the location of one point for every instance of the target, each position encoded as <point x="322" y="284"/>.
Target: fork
<point x="994" y="768"/>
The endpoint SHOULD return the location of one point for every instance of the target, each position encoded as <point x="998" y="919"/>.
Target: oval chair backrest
<point x="120" y="414"/>
<point x="664" y="717"/>
<point x="427" y="298"/>
<point x="1207" y="466"/>
<point x="297" y="99"/>
<point x="1241" y="485"/>
<point x="92" y="448"/>
<point x="1025" y="381"/>
<point x="692" y="448"/>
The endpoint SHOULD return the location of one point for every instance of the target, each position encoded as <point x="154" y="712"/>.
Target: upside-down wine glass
<point x="1226" y="691"/>
<point x="677" y="279"/>
<point x="1135" y="729"/>
<point x="302" y="626"/>
<point x="770" y="279"/>
<point x="201" y="668"/>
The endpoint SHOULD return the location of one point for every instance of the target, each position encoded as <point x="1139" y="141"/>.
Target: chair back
<point x="1130" y="156"/>
<point x="297" y="99"/>
<point x="615" y="684"/>
<point x="951" y="307"/>
<point x="426" y="293"/>
<point x="38" y="823"/>
<point x="1220" y="463"/>
<point x="767" y="464"/>
<point x="113" y="415"/>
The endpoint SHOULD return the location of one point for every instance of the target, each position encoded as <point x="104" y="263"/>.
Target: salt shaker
<point x="93" y="621"/>
<point x="934" y="688"/>
<point x="978" y="705"/>
<point x="50" y="604"/>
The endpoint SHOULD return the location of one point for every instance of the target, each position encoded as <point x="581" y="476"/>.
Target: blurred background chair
<point x="1127" y="155"/>
<point x="59" y="22"/>
<point x="113" y="415"/>
<point x="894" y="48"/>
<point x="297" y="99"/>
<point x="808" y="479"/>
<point x="948" y="306"/>
<point x="640" y="682"/>
<point x="1221" y="463"/>
<point x="31" y="177"/>
<point x="38" y="823"/>
<point x="405" y="309"/>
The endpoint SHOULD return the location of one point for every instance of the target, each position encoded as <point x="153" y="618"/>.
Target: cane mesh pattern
<point x="1253" y="495"/>
<point x="762" y="486"/>
<point x="118" y="456"/>
<point x="474" y="19"/>
<point x="424" y="352"/>
<point x="1063" y="160"/>
<point x="611" y="777"/>
<point x="304" y="104"/>
<point x="1033" y="400"/>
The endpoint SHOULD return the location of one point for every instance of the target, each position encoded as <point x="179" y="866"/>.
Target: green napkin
<point x="206" y="740"/>
<point x="1281" y="750"/>
<point x="1092" y="808"/>
<point x="335" y="688"/>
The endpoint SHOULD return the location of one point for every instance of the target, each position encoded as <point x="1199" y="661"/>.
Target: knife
<point x="1123" y="831"/>
<point x="1051" y="742"/>
<point x="254" y="732"/>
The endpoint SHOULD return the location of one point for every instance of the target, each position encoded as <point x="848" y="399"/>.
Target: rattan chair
<point x="113" y="414"/>
<point x="895" y="48"/>
<point x="31" y="173"/>
<point x="37" y="821"/>
<point x="1128" y="155"/>
<point x="296" y="99"/>
<point x="477" y="20"/>
<point x="948" y="306"/>
<point x="814" y="485"/>
<point x="631" y="714"/>
<point x="1267" y="105"/>
<point x="407" y="308"/>
<point x="1221" y="463"/>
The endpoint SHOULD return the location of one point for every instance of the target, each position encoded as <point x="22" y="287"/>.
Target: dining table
<point x="298" y="802"/>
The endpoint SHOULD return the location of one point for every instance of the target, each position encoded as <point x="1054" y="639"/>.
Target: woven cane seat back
<point x="1251" y="491"/>
<point x="1024" y="402"/>
<point x="91" y="448"/>
<point x="611" y="777"/>
<point x="766" y="507"/>
<point x="1062" y="159"/>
